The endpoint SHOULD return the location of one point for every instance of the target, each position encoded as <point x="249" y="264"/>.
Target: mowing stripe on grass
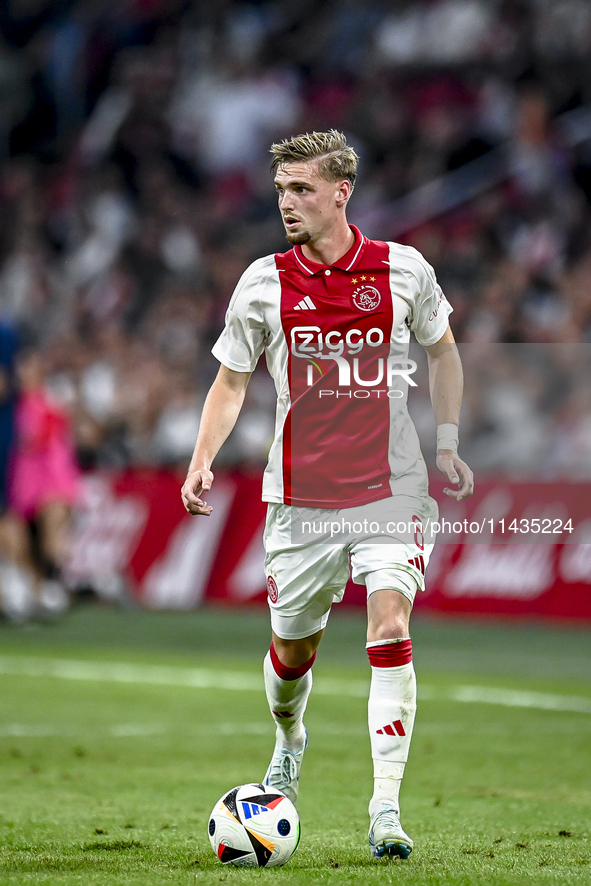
<point x="517" y="698"/>
<point x="124" y="672"/>
<point x="148" y="730"/>
<point x="208" y="678"/>
<point x="41" y="730"/>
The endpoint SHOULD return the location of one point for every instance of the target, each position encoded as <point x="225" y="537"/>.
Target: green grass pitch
<point x="120" y="730"/>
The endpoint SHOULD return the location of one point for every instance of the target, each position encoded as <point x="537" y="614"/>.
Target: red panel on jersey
<point x="337" y="322"/>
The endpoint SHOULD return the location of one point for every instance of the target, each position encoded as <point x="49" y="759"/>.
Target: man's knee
<point x="388" y="615"/>
<point x="294" y="653"/>
<point x="390" y="629"/>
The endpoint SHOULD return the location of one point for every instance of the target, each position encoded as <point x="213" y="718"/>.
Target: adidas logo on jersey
<point x="306" y="304"/>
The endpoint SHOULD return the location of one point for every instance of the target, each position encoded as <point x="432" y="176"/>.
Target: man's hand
<point x="457" y="472"/>
<point x="220" y="411"/>
<point x="193" y="488"/>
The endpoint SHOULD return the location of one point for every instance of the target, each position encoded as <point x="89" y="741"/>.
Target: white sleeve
<point x="243" y="339"/>
<point x="431" y="309"/>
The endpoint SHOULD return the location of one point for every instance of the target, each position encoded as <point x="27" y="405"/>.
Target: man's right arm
<point x="220" y="411"/>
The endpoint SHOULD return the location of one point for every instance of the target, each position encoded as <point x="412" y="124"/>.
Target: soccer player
<point x="334" y="316"/>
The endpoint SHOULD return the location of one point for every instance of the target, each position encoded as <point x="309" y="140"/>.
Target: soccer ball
<point x="254" y="825"/>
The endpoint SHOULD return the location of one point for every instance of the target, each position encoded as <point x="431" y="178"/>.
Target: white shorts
<point x="307" y="568"/>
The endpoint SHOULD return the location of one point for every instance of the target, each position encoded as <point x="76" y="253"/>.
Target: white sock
<point x="287" y="700"/>
<point x="391" y="714"/>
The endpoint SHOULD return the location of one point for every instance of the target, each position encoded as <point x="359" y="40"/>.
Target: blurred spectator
<point x="16" y="572"/>
<point x="44" y="480"/>
<point x="8" y="349"/>
<point x="229" y="114"/>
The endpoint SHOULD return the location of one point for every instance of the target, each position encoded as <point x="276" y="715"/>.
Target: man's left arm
<point x="446" y="384"/>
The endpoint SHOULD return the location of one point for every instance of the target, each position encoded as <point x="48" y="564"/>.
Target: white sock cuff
<point x="373" y="643"/>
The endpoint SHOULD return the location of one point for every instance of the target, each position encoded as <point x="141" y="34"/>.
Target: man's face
<point x="309" y="204"/>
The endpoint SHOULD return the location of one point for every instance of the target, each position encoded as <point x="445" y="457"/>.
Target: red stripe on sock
<point x="286" y="673"/>
<point x="391" y="655"/>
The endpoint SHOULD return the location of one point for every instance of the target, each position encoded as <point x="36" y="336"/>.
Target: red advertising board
<point x="511" y="549"/>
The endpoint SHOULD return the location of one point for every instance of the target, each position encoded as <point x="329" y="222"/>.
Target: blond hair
<point x="338" y="160"/>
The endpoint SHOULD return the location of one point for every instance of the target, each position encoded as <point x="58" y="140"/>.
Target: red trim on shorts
<point x="391" y="655"/>
<point x="286" y="673"/>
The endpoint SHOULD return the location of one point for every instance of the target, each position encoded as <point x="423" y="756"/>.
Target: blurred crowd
<point x="135" y="189"/>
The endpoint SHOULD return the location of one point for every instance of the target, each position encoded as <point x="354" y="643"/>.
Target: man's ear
<point x="343" y="192"/>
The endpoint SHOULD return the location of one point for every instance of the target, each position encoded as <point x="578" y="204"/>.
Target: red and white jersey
<point x="336" y="341"/>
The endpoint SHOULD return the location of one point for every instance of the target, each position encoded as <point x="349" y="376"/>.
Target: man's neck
<point x="331" y="248"/>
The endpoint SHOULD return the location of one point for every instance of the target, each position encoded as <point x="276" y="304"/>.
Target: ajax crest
<point x="366" y="298"/>
<point x="272" y="589"/>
